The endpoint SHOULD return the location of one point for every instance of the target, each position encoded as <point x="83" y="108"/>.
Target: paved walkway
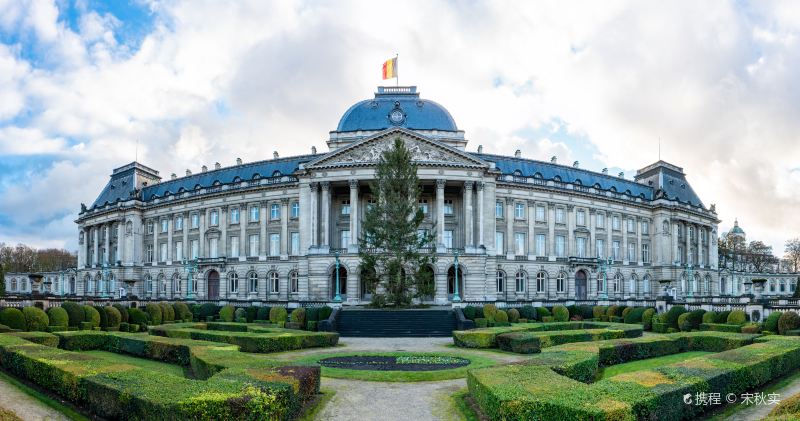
<point x="758" y="412"/>
<point x="26" y="407"/>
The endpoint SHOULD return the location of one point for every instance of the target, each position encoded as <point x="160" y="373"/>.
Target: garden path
<point x="758" y="412"/>
<point x="24" y="406"/>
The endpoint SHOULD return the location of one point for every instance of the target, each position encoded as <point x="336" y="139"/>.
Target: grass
<point x="398" y="376"/>
<point x="6" y="415"/>
<point x="773" y="387"/>
<point x="460" y="405"/>
<point x="311" y="413"/>
<point x="151" y="365"/>
<point x="43" y="398"/>
<point x="647" y="364"/>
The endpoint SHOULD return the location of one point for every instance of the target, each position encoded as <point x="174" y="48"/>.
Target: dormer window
<point x="276" y="174"/>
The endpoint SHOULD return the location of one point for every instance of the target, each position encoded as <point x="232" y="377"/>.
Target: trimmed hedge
<point x="263" y="313"/>
<point x="155" y="314"/>
<point x="227" y="313"/>
<point x="722" y="316"/>
<point x="182" y="312"/>
<point x="671" y="317"/>
<point x="324" y="313"/>
<point x="533" y="342"/>
<point x="513" y="315"/>
<point x="123" y="312"/>
<point x="737" y="317"/>
<point x="634" y="316"/>
<point x="527" y="312"/>
<point x="167" y="312"/>
<point x="647" y="318"/>
<point x="103" y="318"/>
<point x="487" y="337"/>
<point x="500" y="317"/>
<point x="560" y="314"/>
<point x="35" y="319"/>
<point x="771" y="324"/>
<point x="75" y="313"/>
<point x="709" y="317"/>
<point x="256" y="339"/>
<point x="137" y="317"/>
<point x="299" y="316"/>
<point x="788" y="321"/>
<point x="113" y="317"/>
<point x="58" y="316"/>
<point x="13" y="318"/>
<point x="277" y="315"/>
<point x="489" y="312"/>
<point x="721" y="327"/>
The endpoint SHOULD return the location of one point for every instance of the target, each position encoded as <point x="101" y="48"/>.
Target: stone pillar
<point x="440" y="215"/>
<point x="243" y="240"/>
<point x="688" y="248"/>
<point x="353" y="246"/>
<point x="170" y="245"/>
<point x="222" y="247"/>
<point x="469" y="221"/>
<point x="120" y="241"/>
<point x="700" y="260"/>
<point x="187" y="250"/>
<point x="609" y="238"/>
<point x="531" y="232"/>
<point x="551" y="232"/>
<point x="624" y="227"/>
<point x="677" y="226"/>
<point x="155" y="243"/>
<point x="712" y="248"/>
<point x="262" y="225"/>
<point x="203" y="218"/>
<point x="510" y="249"/>
<point x="480" y="213"/>
<point x="571" y="231"/>
<point x="95" y="247"/>
<point x="284" y="228"/>
<point x="639" y="222"/>
<point x="592" y="246"/>
<point x="314" y="214"/>
<point x="326" y="213"/>
<point x="107" y="246"/>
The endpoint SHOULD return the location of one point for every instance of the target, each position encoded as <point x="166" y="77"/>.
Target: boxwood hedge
<point x="13" y="318"/>
<point x="487" y="337"/>
<point x="255" y="339"/>
<point x="35" y="319"/>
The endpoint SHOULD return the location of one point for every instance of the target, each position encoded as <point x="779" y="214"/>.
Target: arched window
<point x="162" y="285"/>
<point x="617" y="284"/>
<point x="233" y="282"/>
<point x="783" y="286"/>
<point x="695" y="283"/>
<point x="520" y="279"/>
<point x="632" y="284"/>
<point x="13" y="284"/>
<point x="772" y="286"/>
<point x="148" y="285"/>
<point x="723" y="286"/>
<point x="294" y="285"/>
<point x="501" y="281"/>
<point x="176" y="284"/>
<point x="541" y="281"/>
<point x="252" y="282"/>
<point x="646" y="284"/>
<point x="601" y="287"/>
<point x="707" y="285"/>
<point x="561" y="282"/>
<point x="274" y="282"/>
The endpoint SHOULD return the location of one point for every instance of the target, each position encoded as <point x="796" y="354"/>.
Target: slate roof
<point x="373" y="114"/>
<point x="119" y="188"/>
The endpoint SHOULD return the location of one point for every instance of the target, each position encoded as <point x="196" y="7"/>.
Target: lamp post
<point x="689" y="280"/>
<point x="456" y="297"/>
<point x="338" y="297"/>
<point x="603" y="266"/>
<point x="189" y="266"/>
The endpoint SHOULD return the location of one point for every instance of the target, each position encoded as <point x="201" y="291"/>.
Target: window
<point x="423" y="205"/>
<point x="601" y="220"/>
<point x="179" y="223"/>
<point x="448" y="207"/>
<point x="580" y="218"/>
<point x="234" y="247"/>
<point x="560" y="246"/>
<point x="541" y="280"/>
<point x="615" y="223"/>
<point x="195" y="220"/>
<point x="632" y="285"/>
<point x="252" y="283"/>
<point x="519" y="282"/>
<point x="561" y="282"/>
<point x="519" y="243"/>
<point x="253" y="213"/>
<point x="294" y="285"/>
<point x="691" y="233"/>
<point x="615" y="250"/>
<point x="680" y="254"/>
<point x="645" y="227"/>
<point x="295" y="209"/>
<point x="150" y="228"/>
<point x="274" y="245"/>
<point x="162" y="252"/>
<point x="519" y="211"/>
<point x="617" y="282"/>
<point x="540" y="214"/>
<point x="370" y="204"/>
<point x="501" y="281"/>
<point x="580" y="245"/>
<point x="274" y="283"/>
<point x="253" y="245"/>
<point x="498" y="242"/>
<point x="560" y="215"/>
<point x="646" y="253"/>
<point x="498" y="209"/>
<point x="631" y="252"/>
<point x="233" y="280"/>
<point x="274" y="211"/>
<point x="214" y="218"/>
<point x="164" y="225"/>
<point x="195" y="246"/>
<point x="295" y="236"/>
<point x="148" y="255"/>
<point x="600" y="246"/>
<point x="601" y="284"/>
<point x="345" y="238"/>
<point x="540" y="245"/>
<point x="176" y="283"/>
<point x="630" y="224"/>
<point x="448" y="239"/>
<point x="235" y="216"/>
<point x="213" y="251"/>
<point x="646" y="284"/>
<point x="148" y="284"/>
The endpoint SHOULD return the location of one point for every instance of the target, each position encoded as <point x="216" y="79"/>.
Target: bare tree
<point x="759" y="256"/>
<point x="793" y="253"/>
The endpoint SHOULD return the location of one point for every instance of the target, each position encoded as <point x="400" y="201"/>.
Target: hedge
<point x="251" y="313"/>
<point x="788" y="321"/>
<point x="683" y="322"/>
<point x="155" y="313"/>
<point x="182" y="312"/>
<point x="227" y="313"/>
<point x="527" y="312"/>
<point x="560" y="314"/>
<point x="263" y="313"/>
<point x="58" y="316"/>
<point x="137" y="316"/>
<point x="277" y="315"/>
<point x="542" y="312"/>
<point x="634" y="316"/>
<point x="167" y="312"/>
<point x="299" y="316"/>
<point x="487" y="337"/>
<point x="709" y="317"/>
<point x="113" y="317"/>
<point x="500" y="317"/>
<point x="325" y="312"/>
<point x="75" y="312"/>
<point x="13" y="318"/>
<point x="469" y="312"/>
<point x="533" y="342"/>
<point x="647" y="318"/>
<point x="737" y="317"/>
<point x="513" y="315"/>
<point x="771" y="324"/>
<point x="722" y="316"/>
<point x="123" y="312"/>
<point x="671" y="317"/>
<point x="206" y="310"/>
<point x="35" y="319"/>
<point x="721" y="327"/>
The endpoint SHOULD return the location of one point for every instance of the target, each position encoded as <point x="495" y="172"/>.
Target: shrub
<point x="625" y="311"/>
<point x="480" y="322"/>
<point x="240" y="313"/>
<point x="154" y="311"/>
<point x="87" y="326"/>
<point x="634" y="316"/>
<point x="277" y="315"/>
<point x="573" y="310"/>
<point x="647" y="318"/>
<point x="182" y="311"/>
<point x="527" y="312"/>
<point x="751" y="328"/>
<point x="722" y="317"/>
<point x="612" y="311"/>
<point x="92" y="316"/>
<point x="35" y="319"/>
<point x="124" y="327"/>
<point x="113" y="316"/>
<point x="311" y="326"/>
<point x="513" y="315"/>
<point x="206" y="310"/>
<point x="598" y="311"/>
<point x="695" y="318"/>
<point x="227" y="313"/>
<point x="771" y="324"/>
<point x="788" y="321"/>
<point x="469" y="312"/>
<point x="13" y="318"/>
<point x="251" y="313"/>
<point x="263" y="313"/>
<point x="58" y="316"/>
<point x="737" y="317"/>
<point x="123" y="312"/>
<point x="167" y="312"/>
<point x="683" y="322"/>
<point x="75" y="312"/>
<point x="136" y="328"/>
<point x="299" y="316"/>
<point x="501" y="316"/>
<point x="671" y="317"/>
<point x="541" y="313"/>
<point x="489" y="311"/>
<point x="137" y="317"/>
<point x="709" y="317"/>
<point x="721" y="327"/>
<point x="560" y="314"/>
<point x="324" y="312"/>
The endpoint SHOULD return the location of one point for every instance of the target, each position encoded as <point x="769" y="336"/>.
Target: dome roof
<point x="396" y="107"/>
<point x="736" y="229"/>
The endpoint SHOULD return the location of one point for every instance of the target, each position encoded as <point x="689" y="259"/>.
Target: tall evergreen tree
<point x="2" y="281"/>
<point x="392" y="244"/>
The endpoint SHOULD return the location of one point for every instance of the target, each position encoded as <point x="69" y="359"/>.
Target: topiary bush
<point x="277" y="315"/>
<point x="469" y="312"/>
<point x="154" y="311"/>
<point x="113" y="317"/>
<point x="771" y="324"/>
<point x="251" y="313"/>
<point x="527" y="312"/>
<point x="137" y="317"/>
<point x="489" y="311"/>
<point x="13" y="318"/>
<point x="35" y="319"/>
<point x="312" y="315"/>
<point x="788" y="321"/>
<point x="611" y="311"/>
<point x="671" y="317"/>
<point x="560" y="314"/>
<point x="501" y="316"/>
<point x="167" y="312"/>
<point x="634" y="316"/>
<point x="206" y="310"/>
<point x="58" y="316"/>
<point x="227" y="313"/>
<point x="625" y="311"/>
<point x="240" y="313"/>
<point x="123" y="312"/>
<point x="299" y="316"/>
<point x="696" y="318"/>
<point x="683" y="322"/>
<point x="574" y="311"/>
<point x="513" y="315"/>
<point x="751" y="327"/>
<point x="709" y="317"/>
<point x="91" y="316"/>
<point x="598" y="312"/>
<point x="722" y="317"/>
<point x="737" y="317"/>
<point x="75" y="312"/>
<point x="182" y="312"/>
<point x="648" y="316"/>
<point x="324" y="313"/>
<point x="542" y="312"/>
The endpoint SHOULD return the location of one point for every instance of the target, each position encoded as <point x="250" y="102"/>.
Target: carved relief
<point x="420" y="151"/>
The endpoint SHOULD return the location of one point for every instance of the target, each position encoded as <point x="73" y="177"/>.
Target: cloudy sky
<point x="83" y="82"/>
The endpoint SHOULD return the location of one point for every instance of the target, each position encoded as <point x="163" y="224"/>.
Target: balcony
<point x="582" y="261"/>
<point x="211" y="261"/>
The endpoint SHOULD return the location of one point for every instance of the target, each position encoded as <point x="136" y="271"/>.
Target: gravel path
<point x="26" y="407"/>
<point x="758" y="412"/>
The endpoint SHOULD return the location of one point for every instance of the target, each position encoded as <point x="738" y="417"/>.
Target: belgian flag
<point x="390" y="69"/>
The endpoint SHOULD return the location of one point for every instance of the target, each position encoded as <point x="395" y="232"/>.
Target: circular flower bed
<point x="395" y="363"/>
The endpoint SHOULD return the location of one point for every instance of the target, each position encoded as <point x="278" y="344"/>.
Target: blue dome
<point x="396" y="107"/>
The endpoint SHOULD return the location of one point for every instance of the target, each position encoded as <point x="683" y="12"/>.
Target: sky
<point x="88" y="86"/>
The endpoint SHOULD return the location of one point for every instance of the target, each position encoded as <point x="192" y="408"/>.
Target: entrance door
<point x="580" y="285"/>
<point x="213" y="285"/>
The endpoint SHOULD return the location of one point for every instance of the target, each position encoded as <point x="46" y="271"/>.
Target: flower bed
<point x="517" y="337"/>
<point x="555" y="384"/>
<point x="392" y="363"/>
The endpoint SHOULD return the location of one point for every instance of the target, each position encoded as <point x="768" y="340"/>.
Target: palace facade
<point x="520" y="229"/>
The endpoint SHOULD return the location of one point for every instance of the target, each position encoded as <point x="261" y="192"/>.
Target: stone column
<point x="571" y="231"/>
<point x="440" y="215"/>
<point x="353" y="246"/>
<point x="712" y="248"/>
<point x="677" y="227"/>
<point x="121" y="241"/>
<point x="262" y="224"/>
<point x="531" y="232"/>
<point x="592" y="246"/>
<point x="222" y="247"/>
<point x="284" y="228"/>
<point x="155" y="243"/>
<point x="203" y="220"/>
<point x="326" y="213"/>
<point x="624" y="227"/>
<point x="510" y="247"/>
<point x="639" y="222"/>
<point x="469" y="221"/>
<point x="95" y="246"/>
<point x="551" y="231"/>
<point x="187" y="250"/>
<point x="688" y="247"/>
<point x="314" y="214"/>
<point x="480" y="213"/>
<point x="700" y="260"/>
<point x="609" y="236"/>
<point x="107" y="246"/>
<point x="170" y="245"/>
<point x="243" y="240"/>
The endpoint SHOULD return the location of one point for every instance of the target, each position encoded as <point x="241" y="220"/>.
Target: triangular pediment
<point x="424" y="151"/>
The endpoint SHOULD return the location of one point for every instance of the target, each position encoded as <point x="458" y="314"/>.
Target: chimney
<point x="238" y="161"/>
<point x="188" y="172"/>
<point x="174" y="176"/>
<point x="605" y="170"/>
<point x="204" y="169"/>
<point x="621" y="174"/>
<point x="313" y="150"/>
<point x="480" y="148"/>
<point x="217" y="166"/>
<point x="275" y="155"/>
<point x="553" y="159"/>
<point x="517" y="153"/>
<point x="576" y="164"/>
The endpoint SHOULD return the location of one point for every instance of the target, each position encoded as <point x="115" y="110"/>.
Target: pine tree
<point x="2" y="281"/>
<point x="391" y="238"/>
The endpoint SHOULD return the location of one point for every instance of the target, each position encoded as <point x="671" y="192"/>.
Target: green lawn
<point x="151" y="365"/>
<point x="648" y="363"/>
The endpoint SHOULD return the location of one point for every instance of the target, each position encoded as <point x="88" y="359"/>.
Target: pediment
<point x="424" y="151"/>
